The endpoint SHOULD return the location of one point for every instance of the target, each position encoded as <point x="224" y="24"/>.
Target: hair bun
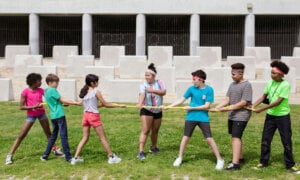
<point x="151" y="66"/>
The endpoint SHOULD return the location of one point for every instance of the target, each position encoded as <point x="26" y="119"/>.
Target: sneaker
<point x="220" y="164"/>
<point x="76" y="160"/>
<point x="141" y="155"/>
<point x="8" y="159"/>
<point x="233" y="167"/>
<point x="177" y="162"/>
<point x="114" y="159"/>
<point x="260" y="166"/>
<point x="43" y="158"/>
<point x="57" y="152"/>
<point x="154" y="150"/>
<point x="294" y="170"/>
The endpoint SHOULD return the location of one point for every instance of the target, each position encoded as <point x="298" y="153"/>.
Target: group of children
<point x="32" y="101"/>
<point x="238" y="104"/>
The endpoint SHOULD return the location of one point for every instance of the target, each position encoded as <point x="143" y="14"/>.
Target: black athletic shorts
<point x="145" y="112"/>
<point x="189" y="127"/>
<point x="236" y="128"/>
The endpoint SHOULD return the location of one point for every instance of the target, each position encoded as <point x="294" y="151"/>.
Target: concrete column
<point x="249" y="37"/>
<point x="87" y="46"/>
<point x="194" y="34"/>
<point x="34" y="34"/>
<point x="140" y="41"/>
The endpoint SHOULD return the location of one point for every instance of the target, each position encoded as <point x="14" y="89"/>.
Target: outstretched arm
<point x="205" y="106"/>
<point x="276" y="103"/>
<point x="69" y="102"/>
<point x="176" y="103"/>
<point x="106" y="104"/>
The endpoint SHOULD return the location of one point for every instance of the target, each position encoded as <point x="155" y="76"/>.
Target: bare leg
<point x="146" y="125"/>
<point x="84" y="140"/>
<point x="184" y="141"/>
<point x="25" y="129"/>
<point x="236" y="149"/>
<point x="214" y="147"/>
<point x="100" y="132"/>
<point x="154" y="132"/>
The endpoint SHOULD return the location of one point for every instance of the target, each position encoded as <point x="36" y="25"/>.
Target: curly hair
<point x="280" y="65"/>
<point x="33" y="78"/>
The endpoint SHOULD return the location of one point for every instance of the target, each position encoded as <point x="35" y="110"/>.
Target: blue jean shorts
<point x="33" y="118"/>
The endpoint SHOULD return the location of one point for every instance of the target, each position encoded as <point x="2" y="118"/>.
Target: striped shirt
<point x="237" y="92"/>
<point x="152" y="99"/>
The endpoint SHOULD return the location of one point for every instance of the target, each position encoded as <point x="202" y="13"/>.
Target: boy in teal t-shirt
<point x="278" y="117"/>
<point x="201" y="97"/>
<point x="57" y="116"/>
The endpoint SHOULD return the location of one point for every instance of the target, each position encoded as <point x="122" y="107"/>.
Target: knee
<point x="145" y="132"/>
<point x="155" y="131"/>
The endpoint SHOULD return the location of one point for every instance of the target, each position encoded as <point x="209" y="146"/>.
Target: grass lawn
<point x="122" y="128"/>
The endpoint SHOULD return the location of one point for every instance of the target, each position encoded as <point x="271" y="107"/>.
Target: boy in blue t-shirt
<point x="202" y="96"/>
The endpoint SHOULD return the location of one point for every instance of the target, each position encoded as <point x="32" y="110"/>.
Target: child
<point x="197" y="115"/>
<point x="151" y="94"/>
<point x="277" y="117"/>
<point x="238" y="96"/>
<point x="91" y="118"/>
<point x="31" y="99"/>
<point x="57" y="115"/>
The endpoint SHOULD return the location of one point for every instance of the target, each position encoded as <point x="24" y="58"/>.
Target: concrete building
<point x="57" y="29"/>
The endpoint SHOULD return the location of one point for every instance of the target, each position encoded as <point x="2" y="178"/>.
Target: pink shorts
<point x="91" y="119"/>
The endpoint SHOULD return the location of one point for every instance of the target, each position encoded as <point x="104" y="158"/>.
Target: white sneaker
<point x="8" y="159"/>
<point x="177" y="162"/>
<point x="114" y="159"/>
<point x="76" y="160"/>
<point x="220" y="164"/>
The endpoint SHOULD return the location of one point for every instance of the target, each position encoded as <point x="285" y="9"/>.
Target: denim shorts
<point x="33" y="118"/>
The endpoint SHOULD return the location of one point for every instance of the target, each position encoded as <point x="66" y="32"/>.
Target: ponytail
<point x="88" y="80"/>
<point x="84" y="91"/>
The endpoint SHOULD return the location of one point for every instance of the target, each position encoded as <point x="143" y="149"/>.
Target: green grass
<point x="122" y="128"/>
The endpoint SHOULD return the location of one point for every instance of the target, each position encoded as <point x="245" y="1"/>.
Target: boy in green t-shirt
<point x="57" y="116"/>
<point x="278" y="116"/>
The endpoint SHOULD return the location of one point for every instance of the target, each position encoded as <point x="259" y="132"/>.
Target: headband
<point x="150" y="71"/>
<point x="277" y="70"/>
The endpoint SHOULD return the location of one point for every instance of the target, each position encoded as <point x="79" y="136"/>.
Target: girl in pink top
<point x="31" y="99"/>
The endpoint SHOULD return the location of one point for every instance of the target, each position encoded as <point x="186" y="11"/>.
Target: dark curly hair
<point x="280" y="65"/>
<point x="33" y="78"/>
